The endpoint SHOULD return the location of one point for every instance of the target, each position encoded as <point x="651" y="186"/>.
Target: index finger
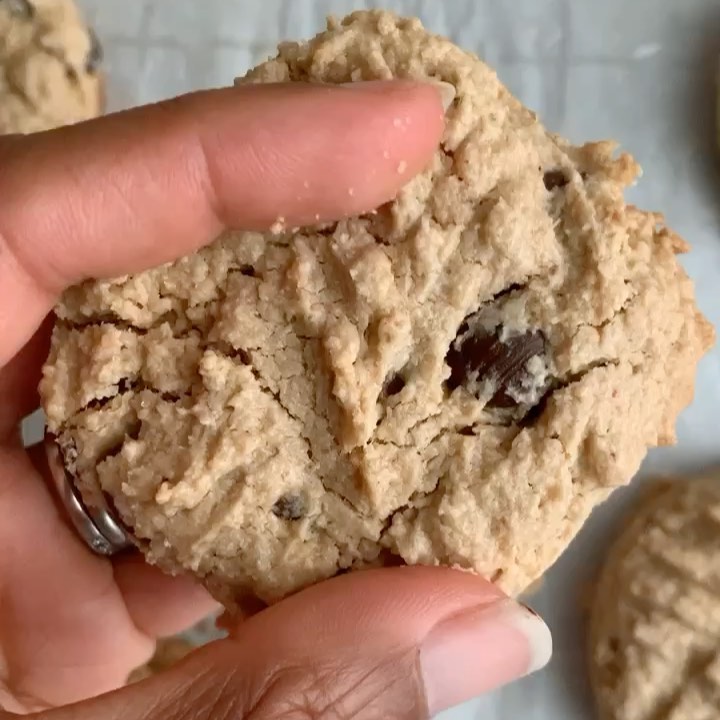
<point x="139" y="188"/>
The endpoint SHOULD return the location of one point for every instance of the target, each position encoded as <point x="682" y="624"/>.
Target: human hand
<point x="128" y="192"/>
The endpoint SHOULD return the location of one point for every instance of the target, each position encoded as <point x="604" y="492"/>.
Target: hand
<point x="128" y="192"/>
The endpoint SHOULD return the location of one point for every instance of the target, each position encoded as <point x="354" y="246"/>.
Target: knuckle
<point x="341" y="691"/>
<point x="222" y="684"/>
<point x="212" y="695"/>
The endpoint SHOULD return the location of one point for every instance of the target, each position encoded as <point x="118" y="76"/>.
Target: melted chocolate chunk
<point x="247" y="270"/>
<point x="124" y="385"/>
<point x="554" y="179"/>
<point x="95" y="56"/>
<point x="21" y="8"/>
<point x="393" y="385"/>
<point x="481" y="355"/>
<point x="289" y="507"/>
<point x="226" y="349"/>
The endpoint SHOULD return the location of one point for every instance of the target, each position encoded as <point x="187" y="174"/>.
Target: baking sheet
<point x="639" y="71"/>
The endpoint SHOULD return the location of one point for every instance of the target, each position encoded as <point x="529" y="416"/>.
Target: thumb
<point x="400" y="643"/>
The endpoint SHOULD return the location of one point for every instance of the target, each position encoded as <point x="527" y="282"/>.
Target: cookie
<point x="455" y="379"/>
<point x="49" y="66"/>
<point x="655" y="629"/>
<point x="168" y="652"/>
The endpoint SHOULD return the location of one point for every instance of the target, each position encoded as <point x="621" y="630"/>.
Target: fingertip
<point x="238" y="158"/>
<point x="364" y="644"/>
<point x="160" y="605"/>
<point x="481" y="649"/>
<point x="335" y="151"/>
<point x="408" y="600"/>
<point x="401" y="138"/>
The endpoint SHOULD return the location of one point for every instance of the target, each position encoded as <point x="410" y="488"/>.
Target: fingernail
<point x="447" y="93"/>
<point x="446" y="90"/>
<point x="480" y="650"/>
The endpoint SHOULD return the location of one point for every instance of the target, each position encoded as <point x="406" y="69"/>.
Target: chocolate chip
<point x="133" y="432"/>
<point x="95" y="56"/>
<point x="478" y="355"/>
<point x="554" y="179"/>
<point x="21" y="8"/>
<point x="289" y="507"/>
<point x="247" y="270"/>
<point x="124" y="385"/>
<point x="393" y="385"/>
<point x="226" y="349"/>
<point x="386" y="558"/>
<point x="509" y="290"/>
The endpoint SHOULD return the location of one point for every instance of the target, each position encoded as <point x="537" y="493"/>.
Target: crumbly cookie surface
<point x="49" y="66"/>
<point x="456" y="379"/>
<point x="655" y="630"/>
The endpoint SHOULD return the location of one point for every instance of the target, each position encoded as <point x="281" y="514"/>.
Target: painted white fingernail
<point x="447" y="91"/>
<point x="538" y="635"/>
<point x="480" y="650"/>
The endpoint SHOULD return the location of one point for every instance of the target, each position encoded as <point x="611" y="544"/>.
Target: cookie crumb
<point x="278" y="227"/>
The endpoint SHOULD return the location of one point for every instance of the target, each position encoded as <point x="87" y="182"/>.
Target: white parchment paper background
<point x="641" y="71"/>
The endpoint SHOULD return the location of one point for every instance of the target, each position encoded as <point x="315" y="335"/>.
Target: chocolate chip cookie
<point x="49" y="66"/>
<point x="457" y="378"/>
<point x="655" y="636"/>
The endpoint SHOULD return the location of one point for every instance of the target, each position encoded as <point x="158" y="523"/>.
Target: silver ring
<point x="97" y="526"/>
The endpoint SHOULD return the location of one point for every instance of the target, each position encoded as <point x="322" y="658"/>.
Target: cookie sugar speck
<point x="457" y="378"/>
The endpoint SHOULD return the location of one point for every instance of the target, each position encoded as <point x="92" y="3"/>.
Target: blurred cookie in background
<point x="655" y="624"/>
<point x="167" y="652"/>
<point x="49" y="66"/>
